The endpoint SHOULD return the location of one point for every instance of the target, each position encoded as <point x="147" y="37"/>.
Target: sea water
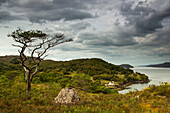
<point x="156" y="75"/>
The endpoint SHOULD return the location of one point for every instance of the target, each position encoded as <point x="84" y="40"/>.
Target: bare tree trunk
<point x="26" y="73"/>
<point x="28" y="85"/>
<point x="25" y="76"/>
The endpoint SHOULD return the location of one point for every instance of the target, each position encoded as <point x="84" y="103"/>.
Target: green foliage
<point x="158" y="90"/>
<point x="57" y="70"/>
<point x="91" y="67"/>
<point x="15" y="61"/>
<point x="85" y="76"/>
<point x="12" y="89"/>
<point x="7" y="64"/>
<point x="64" y="81"/>
<point x="27" y="36"/>
<point x="154" y="99"/>
<point x="4" y="86"/>
<point x="97" y="68"/>
<point x="84" y="82"/>
<point x="11" y="74"/>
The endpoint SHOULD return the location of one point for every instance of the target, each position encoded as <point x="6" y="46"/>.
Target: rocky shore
<point x="125" y="85"/>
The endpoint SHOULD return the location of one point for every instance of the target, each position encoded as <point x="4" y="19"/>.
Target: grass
<point x="154" y="99"/>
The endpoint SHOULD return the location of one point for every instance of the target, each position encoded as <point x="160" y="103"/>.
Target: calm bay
<point x="156" y="75"/>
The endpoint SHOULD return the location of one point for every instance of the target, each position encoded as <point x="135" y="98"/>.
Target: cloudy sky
<point x="119" y="31"/>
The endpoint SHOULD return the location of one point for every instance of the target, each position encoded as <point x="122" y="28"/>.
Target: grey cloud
<point x="141" y="20"/>
<point x="6" y="16"/>
<point x="3" y="1"/>
<point x="145" y="18"/>
<point x="124" y="35"/>
<point x="81" y="26"/>
<point x="54" y="10"/>
<point x="66" y="14"/>
<point x="74" y="14"/>
<point x="160" y="38"/>
<point x="153" y="51"/>
<point x="105" y="39"/>
<point x="73" y="48"/>
<point x="154" y="21"/>
<point x="155" y="44"/>
<point x="46" y="5"/>
<point x="50" y="4"/>
<point x="70" y="29"/>
<point x="133" y="10"/>
<point x="6" y="26"/>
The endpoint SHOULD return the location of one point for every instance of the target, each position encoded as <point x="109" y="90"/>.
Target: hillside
<point x="165" y="64"/>
<point x="154" y="99"/>
<point x="50" y="70"/>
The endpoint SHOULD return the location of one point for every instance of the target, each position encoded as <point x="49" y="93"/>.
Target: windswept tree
<point x="33" y="46"/>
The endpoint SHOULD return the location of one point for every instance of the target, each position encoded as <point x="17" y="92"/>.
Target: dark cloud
<point x="51" y="10"/>
<point x="6" y="16"/>
<point x="153" y="21"/>
<point x="145" y="18"/>
<point x="161" y="38"/>
<point x="141" y="20"/>
<point x="38" y="5"/>
<point x="2" y="1"/>
<point x="66" y="14"/>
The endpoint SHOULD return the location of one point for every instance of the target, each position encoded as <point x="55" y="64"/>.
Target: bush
<point x="12" y="74"/>
<point x="63" y="82"/>
<point x="4" y="86"/>
<point x="84" y="82"/>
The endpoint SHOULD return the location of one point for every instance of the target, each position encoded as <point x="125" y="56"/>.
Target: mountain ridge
<point x="165" y="65"/>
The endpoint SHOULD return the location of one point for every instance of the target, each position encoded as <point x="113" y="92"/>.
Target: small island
<point x="126" y="66"/>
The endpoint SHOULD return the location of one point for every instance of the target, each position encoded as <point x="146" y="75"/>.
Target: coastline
<point x="125" y="85"/>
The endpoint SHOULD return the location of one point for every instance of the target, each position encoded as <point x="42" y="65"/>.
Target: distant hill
<point x="165" y="64"/>
<point x="126" y="66"/>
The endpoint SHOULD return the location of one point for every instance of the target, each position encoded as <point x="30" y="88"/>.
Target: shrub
<point x="84" y="82"/>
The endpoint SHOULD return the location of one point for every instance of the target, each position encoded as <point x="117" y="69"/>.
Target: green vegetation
<point x="154" y="99"/>
<point x="67" y="73"/>
<point x="96" y="70"/>
<point x="87" y="77"/>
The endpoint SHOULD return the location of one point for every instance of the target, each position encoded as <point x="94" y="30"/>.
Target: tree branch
<point x="35" y="72"/>
<point x="16" y="45"/>
<point x="23" y="58"/>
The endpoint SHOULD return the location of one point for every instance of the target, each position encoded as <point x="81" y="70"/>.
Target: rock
<point x="67" y="96"/>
